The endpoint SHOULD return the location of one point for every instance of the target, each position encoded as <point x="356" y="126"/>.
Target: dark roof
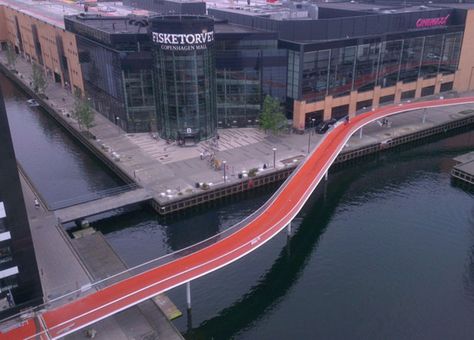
<point x="122" y="25"/>
<point x="233" y="28"/>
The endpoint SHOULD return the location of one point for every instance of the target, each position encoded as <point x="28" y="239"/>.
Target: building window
<point x="387" y="99"/>
<point x="365" y="104"/>
<point x="5" y="254"/>
<point x="408" y="94"/>
<point x="427" y="91"/>
<point x="340" y="111"/>
<point x="341" y="71"/>
<point x="366" y="66"/>
<point x="293" y="74"/>
<point x="446" y="87"/>
<point x="316" y="115"/>
<point x="391" y="53"/>
<point x="411" y="59"/>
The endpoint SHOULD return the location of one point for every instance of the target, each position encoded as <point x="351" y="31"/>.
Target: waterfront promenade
<point x="64" y="269"/>
<point x="169" y="173"/>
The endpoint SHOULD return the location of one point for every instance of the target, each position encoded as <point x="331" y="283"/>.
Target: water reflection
<point x="57" y="165"/>
<point x="278" y="280"/>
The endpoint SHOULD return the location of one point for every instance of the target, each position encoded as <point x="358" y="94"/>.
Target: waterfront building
<point x="321" y="61"/>
<point x="355" y="56"/>
<point x="20" y="285"/>
<point x="184" y="71"/>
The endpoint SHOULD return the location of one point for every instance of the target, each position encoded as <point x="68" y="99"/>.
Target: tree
<point x="83" y="112"/>
<point x="39" y="81"/>
<point x="11" y="56"/>
<point x="272" y="117"/>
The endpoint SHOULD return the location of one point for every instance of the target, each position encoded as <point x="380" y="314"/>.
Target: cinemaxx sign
<point x="183" y="42"/>
<point x="432" y="22"/>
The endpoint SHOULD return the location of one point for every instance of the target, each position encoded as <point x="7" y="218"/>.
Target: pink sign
<point x="430" y="22"/>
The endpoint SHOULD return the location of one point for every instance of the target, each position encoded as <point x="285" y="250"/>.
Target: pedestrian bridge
<point x="91" y="208"/>
<point x="157" y="276"/>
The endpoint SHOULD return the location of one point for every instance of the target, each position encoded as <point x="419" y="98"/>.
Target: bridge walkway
<point x="102" y="205"/>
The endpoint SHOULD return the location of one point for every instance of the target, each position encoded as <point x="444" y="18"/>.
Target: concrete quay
<point x="69" y="265"/>
<point x="170" y="173"/>
<point x="102" y="262"/>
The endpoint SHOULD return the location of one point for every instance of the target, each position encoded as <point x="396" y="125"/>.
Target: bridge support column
<point x="188" y="294"/>
<point x="288" y="229"/>
<point x="361" y="132"/>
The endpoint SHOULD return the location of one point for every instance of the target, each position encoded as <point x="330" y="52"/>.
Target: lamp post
<point x="309" y="134"/>
<point x="274" y="157"/>
<point x="224" y="166"/>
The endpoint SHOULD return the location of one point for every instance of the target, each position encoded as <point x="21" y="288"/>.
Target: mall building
<point x="184" y="70"/>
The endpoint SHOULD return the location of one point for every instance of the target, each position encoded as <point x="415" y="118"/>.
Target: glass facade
<point x="185" y="78"/>
<point x="119" y="83"/>
<point x="102" y="75"/>
<point x="140" y="99"/>
<point x="247" y="71"/>
<point x="340" y="70"/>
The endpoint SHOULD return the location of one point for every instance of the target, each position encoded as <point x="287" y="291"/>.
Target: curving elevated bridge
<point x="247" y="236"/>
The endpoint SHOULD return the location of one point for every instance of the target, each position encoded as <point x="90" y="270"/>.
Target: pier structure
<point x="464" y="170"/>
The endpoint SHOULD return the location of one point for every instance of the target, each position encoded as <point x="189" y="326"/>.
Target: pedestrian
<point x="202" y="156"/>
<point x="37" y="205"/>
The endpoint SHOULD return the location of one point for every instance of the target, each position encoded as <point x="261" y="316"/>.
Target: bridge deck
<point x="102" y="205"/>
<point x="251" y="233"/>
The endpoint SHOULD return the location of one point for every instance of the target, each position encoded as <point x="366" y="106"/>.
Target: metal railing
<point x="91" y="196"/>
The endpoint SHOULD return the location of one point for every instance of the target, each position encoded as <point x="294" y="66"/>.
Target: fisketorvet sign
<point x="183" y="42"/>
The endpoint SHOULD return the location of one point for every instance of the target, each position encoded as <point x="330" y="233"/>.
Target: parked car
<point x="32" y="103"/>
<point x="323" y="127"/>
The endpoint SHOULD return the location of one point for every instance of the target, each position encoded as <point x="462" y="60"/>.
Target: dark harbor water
<point x="57" y="165"/>
<point x="384" y="250"/>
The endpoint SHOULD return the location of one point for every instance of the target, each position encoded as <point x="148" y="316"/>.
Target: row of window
<point x="338" y="112"/>
<point x="338" y="71"/>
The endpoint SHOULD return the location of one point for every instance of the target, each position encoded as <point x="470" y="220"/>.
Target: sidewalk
<point x="167" y="170"/>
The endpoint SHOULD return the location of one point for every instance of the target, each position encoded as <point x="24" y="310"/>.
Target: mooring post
<point x="188" y="294"/>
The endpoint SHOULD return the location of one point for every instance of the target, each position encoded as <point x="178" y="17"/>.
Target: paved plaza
<point x="166" y="169"/>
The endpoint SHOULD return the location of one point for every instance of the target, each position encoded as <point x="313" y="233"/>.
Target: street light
<point x="309" y="134"/>
<point x="274" y="157"/>
<point x="224" y="163"/>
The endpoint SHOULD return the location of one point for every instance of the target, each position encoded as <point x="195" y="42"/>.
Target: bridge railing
<point x="91" y="196"/>
<point x="101" y="284"/>
<point x="154" y="263"/>
<point x="87" y="289"/>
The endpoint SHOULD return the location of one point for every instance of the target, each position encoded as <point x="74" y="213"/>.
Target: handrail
<point x="93" y="196"/>
<point x="246" y="235"/>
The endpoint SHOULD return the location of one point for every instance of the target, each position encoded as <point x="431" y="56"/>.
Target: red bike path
<point x="277" y="215"/>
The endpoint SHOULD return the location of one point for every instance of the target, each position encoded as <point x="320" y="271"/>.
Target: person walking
<point x="37" y="205"/>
